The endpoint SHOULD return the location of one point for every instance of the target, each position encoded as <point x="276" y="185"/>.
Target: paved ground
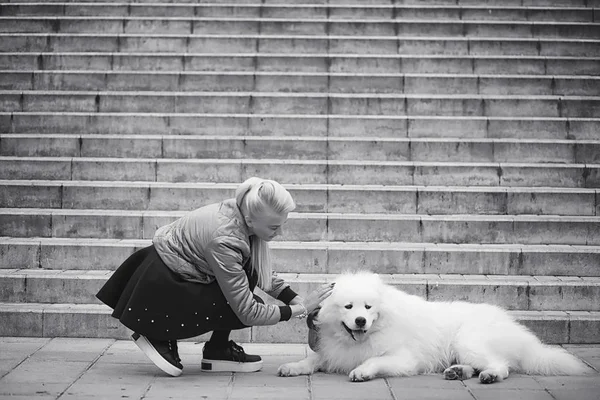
<point x="32" y="368"/>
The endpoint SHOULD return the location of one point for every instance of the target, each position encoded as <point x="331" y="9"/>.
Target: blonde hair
<point x="259" y="196"/>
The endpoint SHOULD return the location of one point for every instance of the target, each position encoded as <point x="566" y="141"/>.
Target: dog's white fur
<point x="407" y="335"/>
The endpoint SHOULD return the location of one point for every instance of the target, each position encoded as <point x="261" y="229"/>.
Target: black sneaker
<point x="175" y="350"/>
<point x="163" y="354"/>
<point x="231" y="358"/>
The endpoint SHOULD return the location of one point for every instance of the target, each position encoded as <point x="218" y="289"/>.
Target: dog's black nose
<point x="360" y="321"/>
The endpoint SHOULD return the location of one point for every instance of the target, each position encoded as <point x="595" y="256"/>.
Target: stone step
<point x="302" y="103"/>
<point x="301" y="148"/>
<point x="311" y="27"/>
<point x="328" y="257"/>
<point x="541" y="293"/>
<point x="343" y="172"/>
<point x="94" y="320"/>
<point x="411" y="228"/>
<point x="298" y="62"/>
<point x="359" y="3"/>
<point x="301" y="44"/>
<point x="442" y="200"/>
<point x="304" y="26"/>
<point x="334" y="82"/>
<point x="293" y="11"/>
<point x="300" y="125"/>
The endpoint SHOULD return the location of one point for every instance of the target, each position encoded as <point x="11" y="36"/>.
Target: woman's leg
<point x="219" y="339"/>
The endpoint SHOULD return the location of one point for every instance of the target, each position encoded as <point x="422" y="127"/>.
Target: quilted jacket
<point x="213" y="243"/>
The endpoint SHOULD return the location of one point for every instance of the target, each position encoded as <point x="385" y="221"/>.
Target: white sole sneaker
<point x="230" y="366"/>
<point x="154" y="356"/>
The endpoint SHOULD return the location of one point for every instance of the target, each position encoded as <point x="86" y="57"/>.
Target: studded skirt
<point x="150" y="299"/>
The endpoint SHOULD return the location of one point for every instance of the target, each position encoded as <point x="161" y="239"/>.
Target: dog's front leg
<point x="384" y="366"/>
<point x="304" y="367"/>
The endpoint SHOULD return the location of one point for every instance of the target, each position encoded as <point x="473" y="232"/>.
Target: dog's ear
<point x="313" y="318"/>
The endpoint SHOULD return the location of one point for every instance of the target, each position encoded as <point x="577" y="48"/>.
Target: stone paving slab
<point x="92" y="369"/>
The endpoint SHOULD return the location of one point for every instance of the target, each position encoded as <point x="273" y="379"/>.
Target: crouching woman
<point x="199" y="275"/>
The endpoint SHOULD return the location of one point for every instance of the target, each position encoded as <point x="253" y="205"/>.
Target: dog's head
<point x="354" y="305"/>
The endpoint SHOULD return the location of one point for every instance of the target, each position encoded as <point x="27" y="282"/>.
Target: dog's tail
<point x="549" y="360"/>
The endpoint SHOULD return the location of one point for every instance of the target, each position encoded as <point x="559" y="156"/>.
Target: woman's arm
<point x="225" y="260"/>
<point x="281" y="290"/>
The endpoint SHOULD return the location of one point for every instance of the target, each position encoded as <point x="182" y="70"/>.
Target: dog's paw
<point x="360" y="375"/>
<point x="487" y="377"/>
<point x="460" y="372"/>
<point x="291" y="369"/>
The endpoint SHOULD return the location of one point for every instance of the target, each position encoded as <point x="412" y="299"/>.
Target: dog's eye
<point x="367" y="306"/>
<point x="348" y="306"/>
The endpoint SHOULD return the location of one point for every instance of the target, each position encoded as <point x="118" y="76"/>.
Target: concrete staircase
<point x="451" y="145"/>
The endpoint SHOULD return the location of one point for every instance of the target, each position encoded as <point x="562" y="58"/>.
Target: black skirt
<point x="150" y="299"/>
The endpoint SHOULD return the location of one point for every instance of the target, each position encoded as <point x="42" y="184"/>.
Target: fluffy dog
<point x="368" y="329"/>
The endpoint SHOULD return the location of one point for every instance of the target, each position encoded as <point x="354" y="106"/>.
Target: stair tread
<point x="294" y="138"/>
<point x="331" y="187"/>
<point x="295" y="20"/>
<point x="396" y="278"/>
<point x="399" y="38"/>
<point x="103" y="309"/>
<point x="312" y="215"/>
<point x="316" y="116"/>
<point x="292" y="94"/>
<point x="298" y="73"/>
<point x="299" y="55"/>
<point x="323" y="245"/>
<point x="307" y="4"/>
<point x="305" y="162"/>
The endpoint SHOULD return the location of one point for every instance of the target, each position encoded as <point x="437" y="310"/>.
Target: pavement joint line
<point x="469" y="390"/>
<point x="310" y="387"/>
<point x="389" y="386"/>
<point x="148" y="387"/>
<point x="580" y="358"/>
<point x="549" y="393"/>
<point x="26" y="358"/>
<point x="87" y="368"/>
<point x="230" y="386"/>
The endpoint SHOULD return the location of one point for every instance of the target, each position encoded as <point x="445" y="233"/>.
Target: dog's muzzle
<point x="352" y="332"/>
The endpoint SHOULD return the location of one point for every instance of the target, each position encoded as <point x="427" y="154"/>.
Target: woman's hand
<point x="315" y="298"/>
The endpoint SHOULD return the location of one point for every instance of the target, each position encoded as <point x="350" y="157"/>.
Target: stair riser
<point x="514" y="3"/>
<point x="73" y="324"/>
<point x="319" y="260"/>
<point x="576" y="175"/>
<point x="286" y="83"/>
<point x="474" y="46"/>
<point x="450" y="13"/>
<point x="331" y="27"/>
<point x="335" y="201"/>
<point x="510" y="295"/>
<point x="247" y="148"/>
<point x="319" y="228"/>
<point x="192" y="103"/>
<point x="233" y="125"/>
<point x="177" y="62"/>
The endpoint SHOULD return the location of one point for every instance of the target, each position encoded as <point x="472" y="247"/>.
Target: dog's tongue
<point x="358" y="334"/>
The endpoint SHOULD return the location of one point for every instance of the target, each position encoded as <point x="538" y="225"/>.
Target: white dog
<point x="369" y="329"/>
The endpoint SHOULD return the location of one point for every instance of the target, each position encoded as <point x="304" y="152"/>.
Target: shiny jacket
<point x="213" y="243"/>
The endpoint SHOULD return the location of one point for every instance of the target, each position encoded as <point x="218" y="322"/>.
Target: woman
<point x="199" y="275"/>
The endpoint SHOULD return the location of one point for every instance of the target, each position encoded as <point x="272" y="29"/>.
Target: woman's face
<point x="268" y="226"/>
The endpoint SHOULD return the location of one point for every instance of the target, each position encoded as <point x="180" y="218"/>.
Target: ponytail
<point x="258" y="196"/>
